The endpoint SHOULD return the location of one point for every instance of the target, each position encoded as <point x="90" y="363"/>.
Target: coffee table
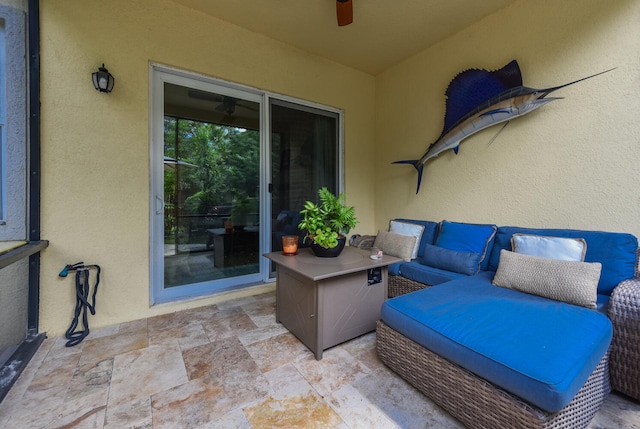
<point x="327" y="301"/>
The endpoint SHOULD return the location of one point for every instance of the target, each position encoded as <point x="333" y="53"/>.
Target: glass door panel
<point x="211" y="187"/>
<point x="304" y="158"/>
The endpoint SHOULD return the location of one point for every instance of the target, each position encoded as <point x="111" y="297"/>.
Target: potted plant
<point x="328" y="223"/>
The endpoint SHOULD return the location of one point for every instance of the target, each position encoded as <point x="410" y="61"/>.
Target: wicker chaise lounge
<point x="479" y="403"/>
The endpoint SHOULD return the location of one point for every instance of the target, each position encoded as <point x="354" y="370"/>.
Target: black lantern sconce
<point x="102" y="80"/>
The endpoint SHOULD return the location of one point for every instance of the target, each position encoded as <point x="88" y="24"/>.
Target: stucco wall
<point x="95" y="147"/>
<point x="572" y="163"/>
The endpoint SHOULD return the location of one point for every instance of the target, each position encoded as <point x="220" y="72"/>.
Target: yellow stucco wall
<point x="572" y="163"/>
<point x="95" y="147"/>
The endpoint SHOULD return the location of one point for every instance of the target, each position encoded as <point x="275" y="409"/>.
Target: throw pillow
<point x="451" y="260"/>
<point x="394" y="244"/>
<point x="411" y="229"/>
<point x="466" y="237"/>
<point x="429" y="234"/>
<point x="565" y="249"/>
<point x="567" y="281"/>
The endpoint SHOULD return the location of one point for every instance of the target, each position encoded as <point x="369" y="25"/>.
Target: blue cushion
<point x="428" y="235"/>
<point x="451" y="260"/>
<point x="615" y="251"/>
<point x="602" y="304"/>
<point x="536" y="348"/>
<point x="428" y="275"/>
<point x="465" y="237"/>
<point x="394" y="269"/>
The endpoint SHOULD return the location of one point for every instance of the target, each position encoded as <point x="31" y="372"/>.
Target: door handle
<point x="161" y="209"/>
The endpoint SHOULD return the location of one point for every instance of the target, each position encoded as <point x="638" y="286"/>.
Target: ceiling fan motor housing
<point x="344" y="9"/>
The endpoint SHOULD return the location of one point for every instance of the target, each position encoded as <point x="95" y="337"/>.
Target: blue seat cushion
<point x="394" y="269"/>
<point x="415" y="271"/>
<point x="614" y="250"/>
<point x="538" y="349"/>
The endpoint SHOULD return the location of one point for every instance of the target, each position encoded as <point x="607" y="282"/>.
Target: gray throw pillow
<point x="397" y="245"/>
<point x="568" y="281"/>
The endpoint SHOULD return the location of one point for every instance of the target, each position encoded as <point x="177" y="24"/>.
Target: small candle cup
<point x="290" y="245"/>
<point x="375" y="253"/>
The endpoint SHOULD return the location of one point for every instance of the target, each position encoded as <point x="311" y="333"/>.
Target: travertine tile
<point x="360" y="344"/>
<point x="187" y="335"/>
<point x="235" y="419"/>
<point x="99" y="349"/>
<point x="227" y="323"/>
<point x="277" y="351"/>
<point x="51" y="381"/>
<point x="226" y="366"/>
<point x="60" y="349"/>
<point x="618" y="412"/>
<point x="189" y="405"/>
<point x="401" y="402"/>
<point x="336" y="369"/>
<point x="134" y="414"/>
<point x="263" y="311"/>
<point x="305" y="410"/>
<point x="261" y="333"/>
<point x="135" y="326"/>
<point x="26" y="378"/>
<point x="141" y="373"/>
<point x="86" y="412"/>
<point x="90" y="379"/>
<point x="357" y="411"/>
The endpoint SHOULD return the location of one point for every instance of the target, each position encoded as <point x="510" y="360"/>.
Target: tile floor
<point x="228" y="365"/>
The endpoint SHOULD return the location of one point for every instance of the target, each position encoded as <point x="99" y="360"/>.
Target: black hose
<point x="83" y="287"/>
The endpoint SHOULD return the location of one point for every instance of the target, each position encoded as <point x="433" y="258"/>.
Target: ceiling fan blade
<point x="344" y="9"/>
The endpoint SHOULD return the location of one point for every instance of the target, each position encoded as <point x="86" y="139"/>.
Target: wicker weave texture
<point x="476" y="402"/>
<point x="624" y="312"/>
<point x="399" y="285"/>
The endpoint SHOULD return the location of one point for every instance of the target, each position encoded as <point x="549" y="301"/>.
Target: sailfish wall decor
<point x="478" y="99"/>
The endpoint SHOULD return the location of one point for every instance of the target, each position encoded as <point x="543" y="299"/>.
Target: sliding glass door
<point x="304" y="158"/>
<point x="230" y="169"/>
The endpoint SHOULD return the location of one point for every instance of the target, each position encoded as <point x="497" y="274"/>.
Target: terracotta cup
<point x="289" y="244"/>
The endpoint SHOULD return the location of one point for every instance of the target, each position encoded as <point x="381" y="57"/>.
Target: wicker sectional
<point x="624" y="312"/>
<point x="478" y="403"/>
<point x="399" y="285"/>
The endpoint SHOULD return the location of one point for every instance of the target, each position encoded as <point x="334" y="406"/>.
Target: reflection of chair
<point x="287" y="224"/>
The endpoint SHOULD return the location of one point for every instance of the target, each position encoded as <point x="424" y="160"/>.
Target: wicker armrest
<point x="362" y="241"/>
<point x="624" y="312"/>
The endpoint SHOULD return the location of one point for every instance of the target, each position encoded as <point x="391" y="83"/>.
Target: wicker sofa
<point x="486" y="403"/>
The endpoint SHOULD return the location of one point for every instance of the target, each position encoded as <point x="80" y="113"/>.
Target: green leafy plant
<point x="327" y="221"/>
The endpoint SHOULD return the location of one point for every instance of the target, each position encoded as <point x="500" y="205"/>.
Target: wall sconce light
<point x="103" y="80"/>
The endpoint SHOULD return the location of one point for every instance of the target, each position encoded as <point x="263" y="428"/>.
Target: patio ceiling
<point x="383" y="32"/>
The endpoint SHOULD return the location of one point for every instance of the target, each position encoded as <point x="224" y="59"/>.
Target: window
<point x="13" y="124"/>
<point x="3" y="108"/>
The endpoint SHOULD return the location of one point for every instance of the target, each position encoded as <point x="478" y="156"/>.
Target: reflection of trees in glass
<point x="227" y="160"/>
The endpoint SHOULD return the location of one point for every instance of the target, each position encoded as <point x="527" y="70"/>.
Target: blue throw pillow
<point x="428" y="235"/>
<point x="466" y="237"/>
<point x="451" y="260"/>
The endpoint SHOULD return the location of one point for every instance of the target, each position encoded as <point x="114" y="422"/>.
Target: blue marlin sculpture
<point x="478" y="99"/>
